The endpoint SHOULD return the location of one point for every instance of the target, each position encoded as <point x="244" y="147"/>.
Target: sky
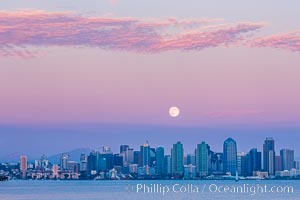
<point x="105" y="72"/>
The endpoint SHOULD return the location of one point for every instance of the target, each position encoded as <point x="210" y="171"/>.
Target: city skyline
<point x="147" y="145"/>
<point x="150" y="162"/>
<point x="76" y="74"/>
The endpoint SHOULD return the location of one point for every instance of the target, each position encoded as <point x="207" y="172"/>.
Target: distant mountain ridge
<point x="74" y="155"/>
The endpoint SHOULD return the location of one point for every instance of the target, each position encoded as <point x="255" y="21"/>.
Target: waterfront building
<point x="202" y="159"/>
<point x="160" y="154"/>
<point x="23" y="166"/>
<point x="177" y="159"/>
<point x="269" y="155"/>
<point x="64" y="159"/>
<point x="254" y="161"/>
<point x="145" y="154"/>
<point x="230" y="156"/>
<point x="287" y="157"/>
<point x="83" y="163"/>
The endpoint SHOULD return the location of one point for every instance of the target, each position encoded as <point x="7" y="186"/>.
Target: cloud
<point x="233" y="113"/>
<point x="21" y="30"/>
<point x="287" y="41"/>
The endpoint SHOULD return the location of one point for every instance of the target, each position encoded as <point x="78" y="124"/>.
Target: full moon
<point x="174" y="111"/>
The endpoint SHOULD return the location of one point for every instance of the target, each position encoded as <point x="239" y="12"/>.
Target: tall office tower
<point x="230" y="156"/>
<point x="177" y="159"/>
<point x="202" y="159"/>
<point x="191" y="159"/>
<point x="254" y="161"/>
<point x="287" y="157"/>
<point x="23" y="165"/>
<point x="128" y="156"/>
<point x="216" y="163"/>
<point x="123" y="148"/>
<point x="64" y="159"/>
<point x="145" y="154"/>
<point x="83" y="163"/>
<point x="269" y="155"/>
<point x="160" y="154"/>
<point x="242" y="163"/>
<point x="92" y="162"/>
<point x="167" y="165"/>
<point x="137" y="158"/>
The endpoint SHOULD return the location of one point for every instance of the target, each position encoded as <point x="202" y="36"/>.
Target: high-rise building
<point x="160" y="154"/>
<point x="177" y="159"/>
<point x="128" y="156"/>
<point x="137" y="158"/>
<point x="64" y="159"/>
<point x="145" y="155"/>
<point x="123" y="148"/>
<point x="216" y="163"/>
<point x="287" y="157"/>
<point x="23" y="165"/>
<point x="92" y="162"/>
<point x="44" y="163"/>
<point x="202" y="159"/>
<point x="254" y="164"/>
<point x="83" y="163"/>
<point x="242" y="163"/>
<point x="269" y="155"/>
<point x="230" y="156"/>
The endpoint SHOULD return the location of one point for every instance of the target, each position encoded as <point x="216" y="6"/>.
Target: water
<point x="98" y="190"/>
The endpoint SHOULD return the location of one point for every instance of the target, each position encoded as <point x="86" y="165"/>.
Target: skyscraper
<point x="254" y="161"/>
<point x="287" y="156"/>
<point x="202" y="159"/>
<point x="123" y="148"/>
<point x="128" y="156"/>
<point x="230" y="156"/>
<point x="83" y="163"/>
<point x="92" y="162"/>
<point x="269" y="156"/>
<point x="23" y="165"/>
<point x="177" y="159"/>
<point x="64" y="159"/>
<point x="242" y="163"/>
<point x="160" y="154"/>
<point x="145" y="155"/>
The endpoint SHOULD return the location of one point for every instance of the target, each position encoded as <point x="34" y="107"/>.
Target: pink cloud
<point x="288" y="41"/>
<point x="233" y="113"/>
<point x="20" y="30"/>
